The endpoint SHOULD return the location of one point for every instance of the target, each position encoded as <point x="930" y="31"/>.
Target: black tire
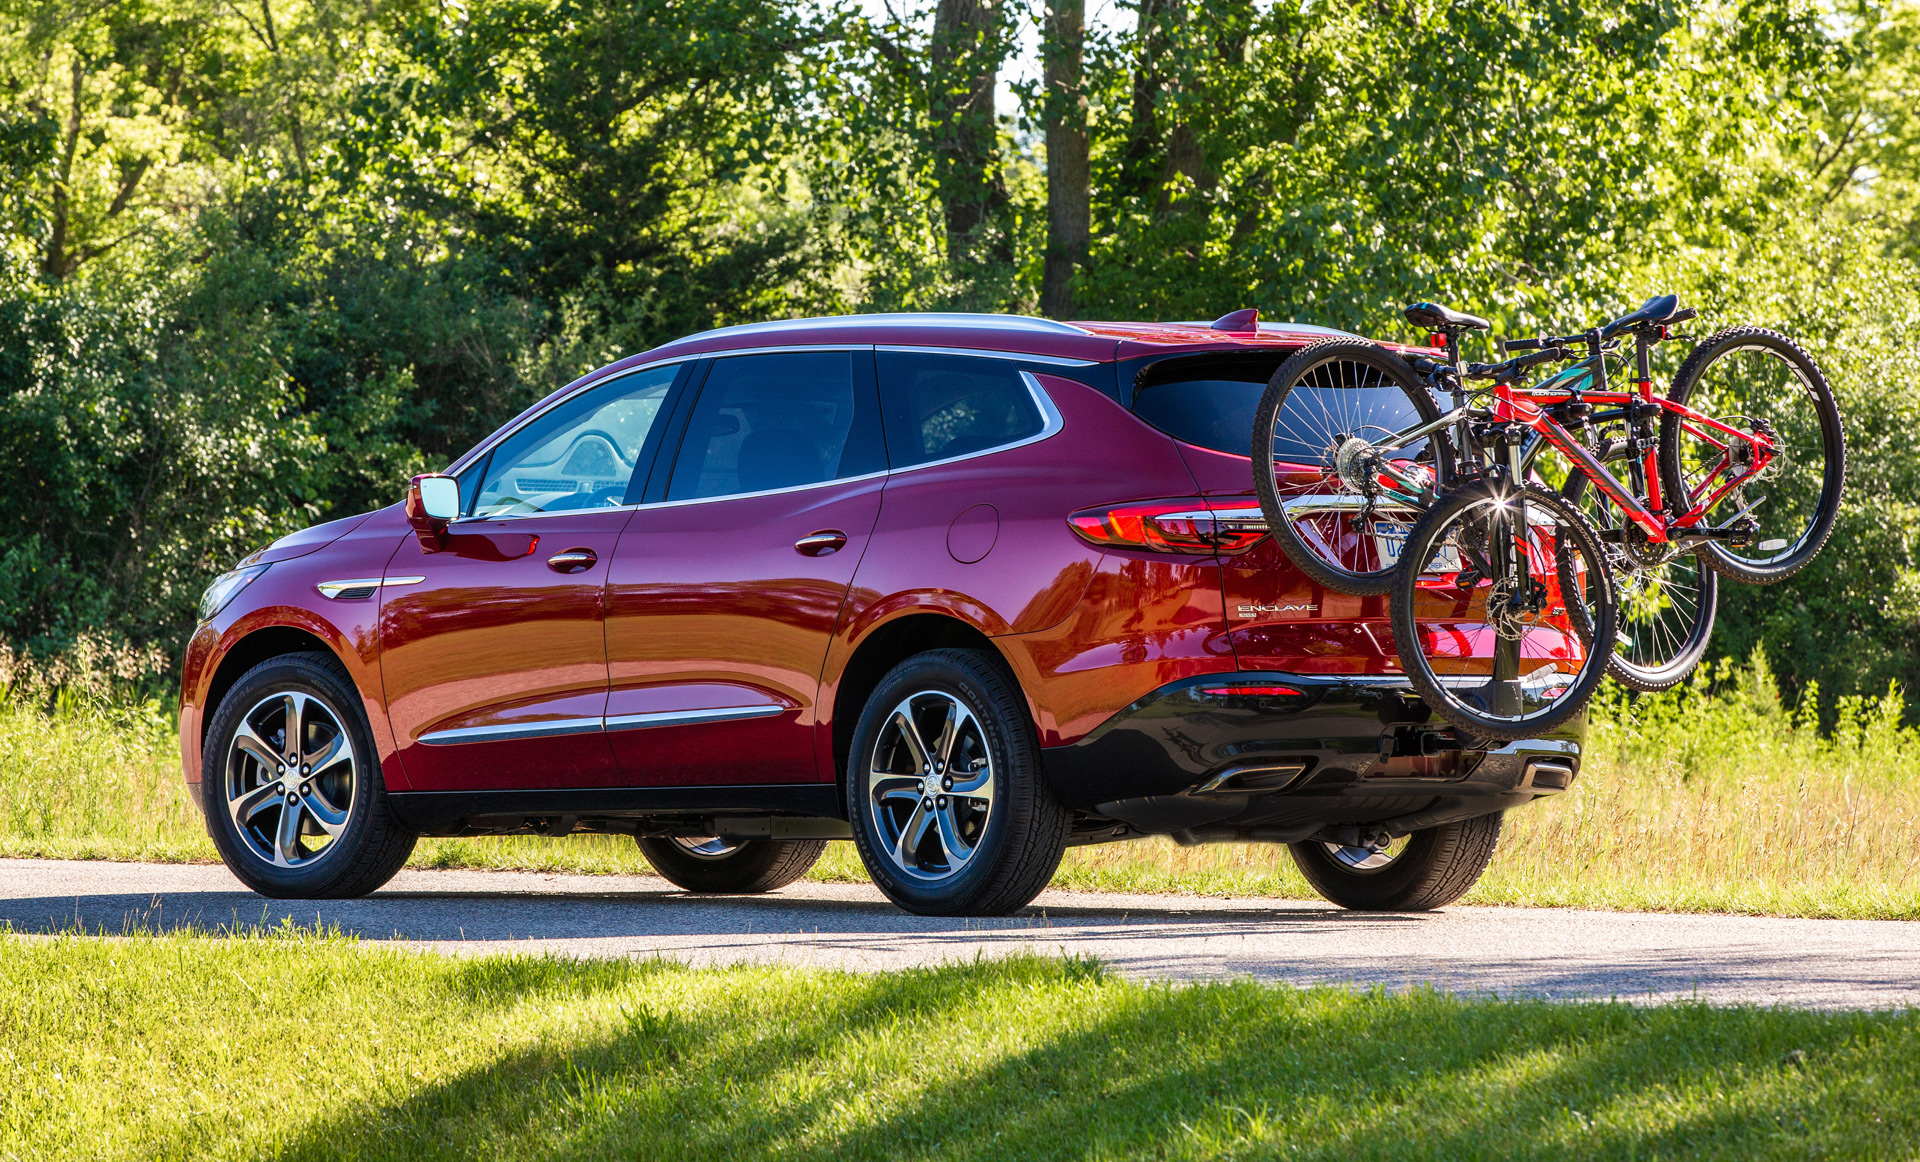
<point x="746" y="867"/>
<point x="368" y="844"/>
<point x="1444" y="680"/>
<point x="992" y="795"/>
<point x="1436" y="867"/>
<point x="1309" y="378"/>
<point x="1655" y="650"/>
<point x="1803" y="514"/>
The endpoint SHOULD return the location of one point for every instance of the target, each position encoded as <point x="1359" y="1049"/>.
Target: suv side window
<point x="580" y="454"/>
<point x="781" y="420"/>
<point x="941" y="406"/>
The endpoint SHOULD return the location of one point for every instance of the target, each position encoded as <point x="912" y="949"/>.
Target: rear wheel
<point x="1427" y="869"/>
<point x="1337" y="499"/>
<point x="949" y="809"/>
<point x="714" y="865"/>
<point x="1504" y="616"/>
<point x="1756" y="381"/>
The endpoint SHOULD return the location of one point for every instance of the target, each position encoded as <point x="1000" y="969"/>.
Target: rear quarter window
<point x="940" y="406"/>
<point x="1211" y="403"/>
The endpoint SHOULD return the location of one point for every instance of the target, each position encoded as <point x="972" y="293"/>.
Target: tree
<point x="1069" y="173"/>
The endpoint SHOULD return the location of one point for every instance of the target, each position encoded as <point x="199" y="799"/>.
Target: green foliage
<point x="258" y="263"/>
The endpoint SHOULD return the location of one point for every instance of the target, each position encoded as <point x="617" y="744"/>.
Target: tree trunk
<point x="965" y="67"/>
<point x="1069" y="177"/>
<point x="56" y="262"/>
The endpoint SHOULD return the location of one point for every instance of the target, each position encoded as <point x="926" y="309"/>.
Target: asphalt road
<point x="1830" y="964"/>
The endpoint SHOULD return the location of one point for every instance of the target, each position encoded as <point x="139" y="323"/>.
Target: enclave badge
<point x="1257" y="610"/>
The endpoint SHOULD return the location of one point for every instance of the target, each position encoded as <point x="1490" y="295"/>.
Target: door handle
<point x="572" y="561"/>
<point x="821" y="543"/>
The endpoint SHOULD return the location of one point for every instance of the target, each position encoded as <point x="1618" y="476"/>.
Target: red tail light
<point x="1169" y="526"/>
<point x="1250" y="691"/>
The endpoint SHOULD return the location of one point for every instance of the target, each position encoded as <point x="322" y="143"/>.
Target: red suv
<point x="965" y="589"/>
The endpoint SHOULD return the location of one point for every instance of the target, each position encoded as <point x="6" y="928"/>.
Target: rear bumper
<point x="1339" y="749"/>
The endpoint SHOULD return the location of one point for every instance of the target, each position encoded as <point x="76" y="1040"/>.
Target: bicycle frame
<point x="1529" y="407"/>
<point x="1585" y="382"/>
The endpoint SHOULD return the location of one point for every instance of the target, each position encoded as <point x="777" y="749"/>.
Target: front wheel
<point x="944" y="788"/>
<point x="1504" y="614"/>
<point x="291" y="784"/>
<point x="1425" y="870"/>
<point x="710" y="864"/>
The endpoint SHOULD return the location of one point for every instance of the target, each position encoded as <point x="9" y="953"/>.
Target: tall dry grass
<point x="1711" y="797"/>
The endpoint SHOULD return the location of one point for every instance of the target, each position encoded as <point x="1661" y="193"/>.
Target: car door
<point x="493" y="644"/>
<point x="727" y="586"/>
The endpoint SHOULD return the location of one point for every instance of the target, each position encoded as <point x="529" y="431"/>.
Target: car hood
<point x="307" y="540"/>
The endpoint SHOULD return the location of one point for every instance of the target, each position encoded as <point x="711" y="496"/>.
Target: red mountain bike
<point x="1516" y="580"/>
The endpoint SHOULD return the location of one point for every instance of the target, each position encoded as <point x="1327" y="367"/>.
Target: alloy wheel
<point x="930" y="785"/>
<point x="292" y="775"/>
<point x="706" y="847"/>
<point x="1367" y="860"/>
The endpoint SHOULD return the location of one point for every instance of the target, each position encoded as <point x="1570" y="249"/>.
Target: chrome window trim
<point x="984" y="353"/>
<point x="689" y="717"/>
<point x="474" y="454"/>
<point x="1051" y="425"/>
<point x="549" y="728"/>
<point x="882" y="474"/>
<point x="556" y="727"/>
<point x="333" y="589"/>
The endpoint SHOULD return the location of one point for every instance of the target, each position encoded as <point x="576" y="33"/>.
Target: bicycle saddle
<point x="1658" y="309"/>
<point x="1435" y="317"/>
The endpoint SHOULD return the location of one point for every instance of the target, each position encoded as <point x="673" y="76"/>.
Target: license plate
<point x="1390" y="539"/>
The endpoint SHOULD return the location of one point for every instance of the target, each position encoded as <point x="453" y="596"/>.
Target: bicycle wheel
<point x="1667" y="600"/>
<point x="1484" y="611"/>
<point x="1753" y="379"/>
<point x="1338" y="498"/>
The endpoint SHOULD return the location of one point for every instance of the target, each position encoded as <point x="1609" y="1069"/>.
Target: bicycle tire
<point x="1667" y="657"/>
<point x="1331" y="364"/>
<point x="1475" y="708"/>
<point x="1808" y="540"/>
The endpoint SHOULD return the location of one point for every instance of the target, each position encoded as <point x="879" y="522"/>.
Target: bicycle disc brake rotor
<point x="1515" y="606"/>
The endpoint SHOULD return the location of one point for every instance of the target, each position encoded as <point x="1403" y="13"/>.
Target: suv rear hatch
<point x="1277" y="617"/>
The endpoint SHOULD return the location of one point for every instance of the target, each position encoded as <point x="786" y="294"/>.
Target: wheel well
<point x="886" y="648"/>
<point x="249" y="652"/>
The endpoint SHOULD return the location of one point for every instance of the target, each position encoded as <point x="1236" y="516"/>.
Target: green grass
<point x="1710" y="798"/>
<point x="296" y="1047"/>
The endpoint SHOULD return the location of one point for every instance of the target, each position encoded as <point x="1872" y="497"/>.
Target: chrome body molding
<point x="1535" y="745"/>
<point x="554" y="727"/>
<point x="548" y="728"/>
<point x="358" y="588"/>
<point x="687" y="717"/>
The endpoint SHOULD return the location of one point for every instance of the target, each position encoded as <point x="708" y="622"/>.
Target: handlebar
<point x="1607" y="332"/>
<point x="1519" y="363"/>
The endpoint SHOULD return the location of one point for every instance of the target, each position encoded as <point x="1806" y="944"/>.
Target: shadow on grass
<point x="1033" y="1058"/>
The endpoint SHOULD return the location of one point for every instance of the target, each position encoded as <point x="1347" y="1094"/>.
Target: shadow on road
<point x="479" y="915"/>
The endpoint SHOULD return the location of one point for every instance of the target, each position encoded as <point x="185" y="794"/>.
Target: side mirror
<point x="433" y="500"/>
